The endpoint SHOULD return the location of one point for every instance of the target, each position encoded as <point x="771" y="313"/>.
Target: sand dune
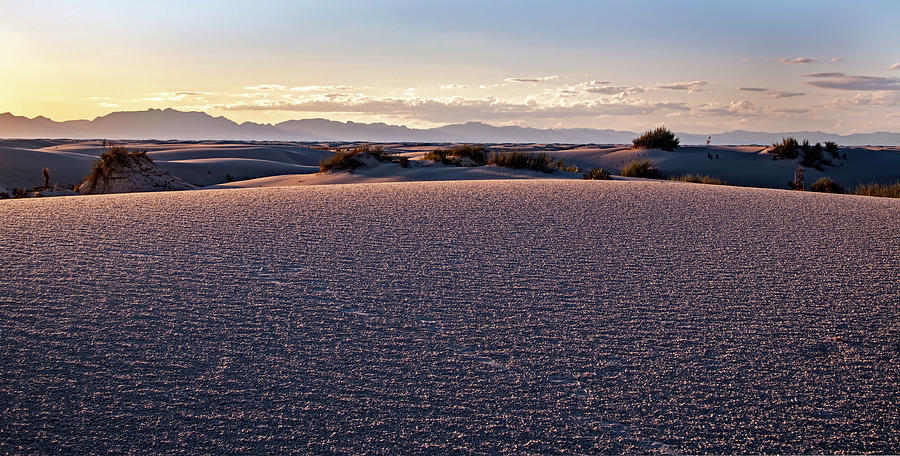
<point x="212" y="163"/>
<point x="539" y="317"/>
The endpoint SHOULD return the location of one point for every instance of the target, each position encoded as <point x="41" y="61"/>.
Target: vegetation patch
<point x="350" y="159"/>
<point x="597" y="174"/>
<point x="659" y="138"/>
<point x="641" y="168"/>
<point x="113" y="156"/>
<point x="466" y="154"/>
<point x="787" y="149"/>
<point x="876" y="189"/>
<point x="826" y="185"/>
<point x="698" y="179"/>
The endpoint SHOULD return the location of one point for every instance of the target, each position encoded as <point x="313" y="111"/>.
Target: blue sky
<point x="603" y="64"/>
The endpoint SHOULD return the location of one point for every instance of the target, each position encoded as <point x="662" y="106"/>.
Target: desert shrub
<point x="698" y="179"/>
<point x="404" y="161"/>
<point x="523" y="160"/>
<point x="19" y="192"/>
<point x="813" y="157"/>
<point x="340" y="160"/>
<point x="46" y="173"/>
<point x="476" y="153"/>
<point x="826" y="185"/>
<point x="4" y="195"/>
<point x="113" y="156"/>
<point x="876" y="189"/>
<point x="787" y="149"/>
<point x="597" y="173"/>
<point x="832" y="148"/>
<point x="659" y="138"/>
<point x="641" y="168"/>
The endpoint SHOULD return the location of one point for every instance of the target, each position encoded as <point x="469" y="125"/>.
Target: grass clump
<point x="876" y="189"/>
<point x="113" y="156"/>
<point x="349" y="159"/>
<point x="597" y="174"/>
<point x="523" y="160"/>
<point x="641" y="168"/>
<point x="659" y="138"/>
<point x="477" y="154"/>
<point x="698" y="179"/>
<point x="826" y="185"/>
<point x="787" y="149"/>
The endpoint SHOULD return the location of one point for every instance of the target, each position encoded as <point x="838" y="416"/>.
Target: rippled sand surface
<point x="484" y="317"/>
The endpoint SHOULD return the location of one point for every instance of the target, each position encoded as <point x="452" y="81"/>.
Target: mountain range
<point x="174" y="124"/>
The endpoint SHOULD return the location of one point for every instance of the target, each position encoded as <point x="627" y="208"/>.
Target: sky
<point x="695" y="66"/>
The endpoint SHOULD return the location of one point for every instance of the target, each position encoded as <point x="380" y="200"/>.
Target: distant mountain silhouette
<point x="174" y="124"/>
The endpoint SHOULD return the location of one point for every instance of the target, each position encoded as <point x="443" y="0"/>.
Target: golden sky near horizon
<point x="698" y="66"/>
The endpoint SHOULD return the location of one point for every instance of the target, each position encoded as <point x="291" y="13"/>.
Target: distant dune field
<point x="228" y="163"/>
<point x="539" y="316"/>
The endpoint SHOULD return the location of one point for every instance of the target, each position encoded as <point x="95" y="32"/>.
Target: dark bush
<point x="788" y="149"/>
<point x="476" y="153"/>
<point x="340" y="160"/>
<point x="597" y="173"/>
<point x="832" y="148"/>
<point x="813" y="157"/>
<point x="698" y="179"/>
<point x="826" y="185"/>
<point x="642" y="168"/>
<point x="19" y="192"/>
<point x="524" y="160"/>
<point x="659" y="138"/>
<point x="4" y="195"/>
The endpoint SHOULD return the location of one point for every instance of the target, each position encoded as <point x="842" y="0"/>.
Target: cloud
<point x="598" y="87"/>
<point x="175" y="96"/>
<point x="841" y="81"/>
<point x="540" y="79"/>
<point x="798" y="60"/>
<point x="792" y="111"/>
<point x="309" y="88"/>
<point x="895" y="66"/>
<point x="676" y="106"/>
<point x="836" y="60"/>
<point x="747" y="59"/>
<point x="780" y="94"/>
<point x="453" y="86"/>
<point x="695" y="86"/>
<point x="109" y="105"/>
<point x="735" y="108"/>
<point x="445" y="109"/>
<point x="772" y="93"/>
<point x="868" y="99"/>
<point x="267" y="87"/>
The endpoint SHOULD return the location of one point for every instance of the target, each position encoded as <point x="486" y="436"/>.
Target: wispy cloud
<point x="735" y="108"/>
<point x="798" y="61"/>
<point x="453" y="86"/>
<point x="540" y="79"/>
<point x="868" y="99"/>
<point x="599" y="87"/>
<point x="843" y="81"/>
<point x="267" y="87"/>
<point x="895" y="66"/>
<point x="695" y="86"/>
<point x="752" y="89"/>
<point x="836" y="60"/>
<point x="444" y="109"/>
<point x="782" y="94"/>
<point x="175" y="96"/>
<point x="309" y="88"/>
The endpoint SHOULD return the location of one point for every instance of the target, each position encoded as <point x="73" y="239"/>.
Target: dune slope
<point x="536" y="316"/>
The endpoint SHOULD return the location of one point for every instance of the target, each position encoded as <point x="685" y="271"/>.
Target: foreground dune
<point x="522" y="316"/>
